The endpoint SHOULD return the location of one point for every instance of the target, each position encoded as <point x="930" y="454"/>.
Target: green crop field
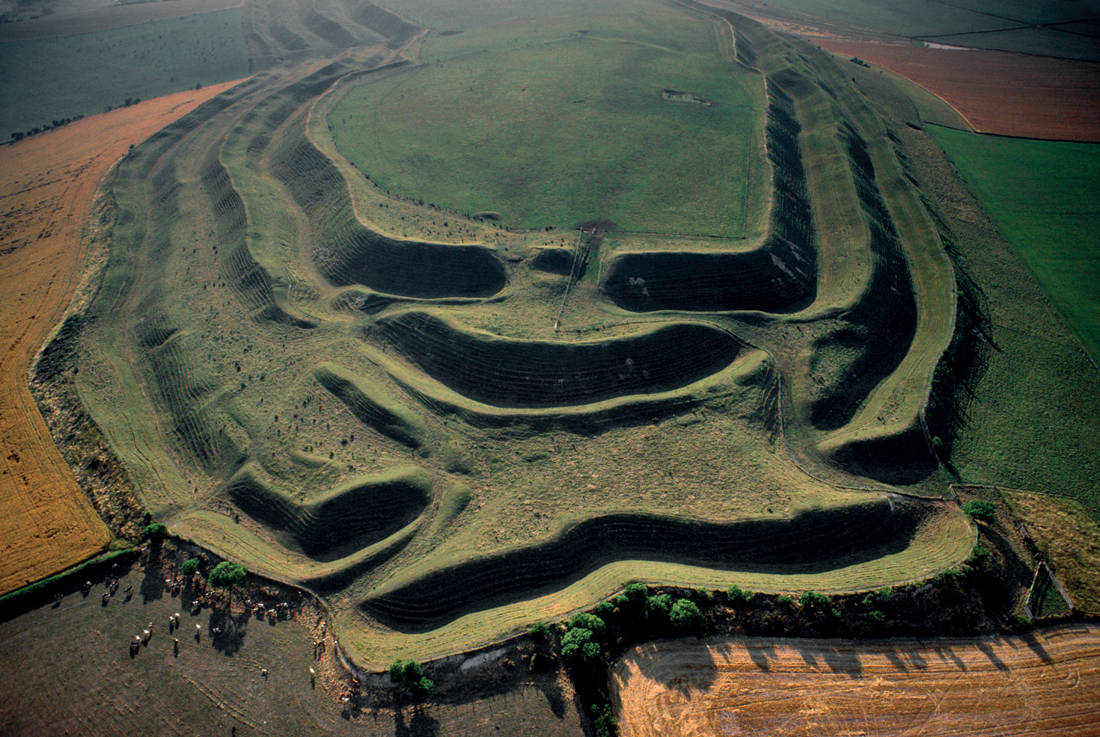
<point x="1045" y="198"/>
<point x="51" y="79"/>
<point x="573" y="130"/>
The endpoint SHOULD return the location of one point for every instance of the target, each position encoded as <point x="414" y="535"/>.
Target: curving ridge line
<point x="780" y="276"/>
<point x="810" y="542"/>
<point x="367" y="508"/>
<point x="348" y="253"/>
<point x="504" y="372"/>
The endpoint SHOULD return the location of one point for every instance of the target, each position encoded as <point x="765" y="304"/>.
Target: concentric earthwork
<point x="451" y="425"/>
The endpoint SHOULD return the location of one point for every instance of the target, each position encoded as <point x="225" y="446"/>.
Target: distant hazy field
<point x="58" y="78"/>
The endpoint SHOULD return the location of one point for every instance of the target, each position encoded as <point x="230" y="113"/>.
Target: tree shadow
<point x="152" y="584"/>
<point x="1036" y="647"/>
<point x="947" y="653"/>
<point x="227" y="632"/>
<point x="844" y="662"/>
<point x="700" y="676"/>
<point x="987" y="650"/>
<point x="551" y="689"/>
<point x="761" y="655"/>
<point x="419" y="724"/>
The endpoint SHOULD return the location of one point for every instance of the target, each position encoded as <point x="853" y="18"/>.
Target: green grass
<point x="58" y="78"/>
<point x="566" y="132"/>
<point x="1045" y="198"/>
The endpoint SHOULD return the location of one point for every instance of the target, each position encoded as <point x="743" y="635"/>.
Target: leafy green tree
<point x="980" y="509"/>
<point x="577" y="644"/>
<point x="227" y="576"/>
<point x="685" y="614"/>
<point x="736" y="595"/>
<point x="189" y="566"/>
<point x="154" y="532"/>
<point x="813" y="600"/>
<point x="658" y="606"/>
<point x="540" y="631"/>
<point x="588" y="621"/>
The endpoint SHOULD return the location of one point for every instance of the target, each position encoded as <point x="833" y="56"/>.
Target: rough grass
<point x="1043" y="196"/>
<point x="563" y="133"/>
<point x="535" y="406"/>
<point x="57" y="78"/>
<point x="512" y="373"/>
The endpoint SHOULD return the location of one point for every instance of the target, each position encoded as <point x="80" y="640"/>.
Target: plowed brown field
<point x="998" y="92"/>
<point x="47" y="185"/>
<point x="1045" y="684"/>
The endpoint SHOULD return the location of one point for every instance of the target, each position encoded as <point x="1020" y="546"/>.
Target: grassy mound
<point x="249" y="280"/>
<point x="349" y="253"/>
<point x="515" y="373"/>
<point x="812" y="541"/>
<point x="344" y="519"/>
<point x="777" y="277"/>
<point x="371" y="407"/>
<point x="852" y="358"/>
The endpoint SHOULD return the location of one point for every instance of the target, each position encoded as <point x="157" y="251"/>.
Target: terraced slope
<point x="356" y="389"/>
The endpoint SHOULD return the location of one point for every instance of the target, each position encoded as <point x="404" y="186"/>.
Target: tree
<point x="155" y="532"/>
<point x="685" y="614"/>
<point x="577" y="644"/>
<point x="736" y="595"/>
<point x="228" y="576"/>
<point x="980" y="509"/>
<point x="409" y="674"/>
<point x="189" y="566"/>
<point x="813" y="600"/>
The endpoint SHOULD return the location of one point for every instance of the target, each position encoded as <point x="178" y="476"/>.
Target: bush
<point x="685" y="614"/>
<point x="588" y="621"/>
<point x="189" y="566"/>
<point x="634" y="593"/>
<point x="154" y="532"/>
<point x="540" y="631"/>
<point x="980" y="509"/>
<point x="813" y="600"/>
<point x="736" y="595"/>
<point x="658" y="606"/>
<point x="577" y="644"/>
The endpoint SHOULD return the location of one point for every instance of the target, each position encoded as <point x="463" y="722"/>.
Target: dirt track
<point x="998" y="92"/>
<point x="1046" y="684"/>
<point x="47" y="185"/>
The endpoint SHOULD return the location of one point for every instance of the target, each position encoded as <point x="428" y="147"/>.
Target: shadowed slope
<point x="349" y="253"/>
<point x="515" y="373"/>
<point x="812" y="541"/>
<point x="348" y="517"/>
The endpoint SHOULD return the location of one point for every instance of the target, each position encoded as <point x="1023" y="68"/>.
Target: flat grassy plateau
<point x="577" y="129"/>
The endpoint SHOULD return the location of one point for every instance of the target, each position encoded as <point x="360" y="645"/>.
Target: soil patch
<point x="997" y="92"/>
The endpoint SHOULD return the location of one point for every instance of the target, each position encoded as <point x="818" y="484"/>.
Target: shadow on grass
<point x="227" y="632"/>
<point x="419" y="724"/>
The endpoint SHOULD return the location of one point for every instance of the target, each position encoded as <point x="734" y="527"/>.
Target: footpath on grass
<point x="47" y="186"/>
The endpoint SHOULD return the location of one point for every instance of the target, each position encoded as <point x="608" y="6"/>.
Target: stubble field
<point x="1044" y="684"/>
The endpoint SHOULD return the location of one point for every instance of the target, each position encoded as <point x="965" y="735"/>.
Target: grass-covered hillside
<point x="311" y="356"/>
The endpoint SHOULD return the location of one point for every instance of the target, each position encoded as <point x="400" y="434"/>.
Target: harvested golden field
<point x="997" y="92"/>
<point x="47" y="186"/>
<point x="1044" y="684"/>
